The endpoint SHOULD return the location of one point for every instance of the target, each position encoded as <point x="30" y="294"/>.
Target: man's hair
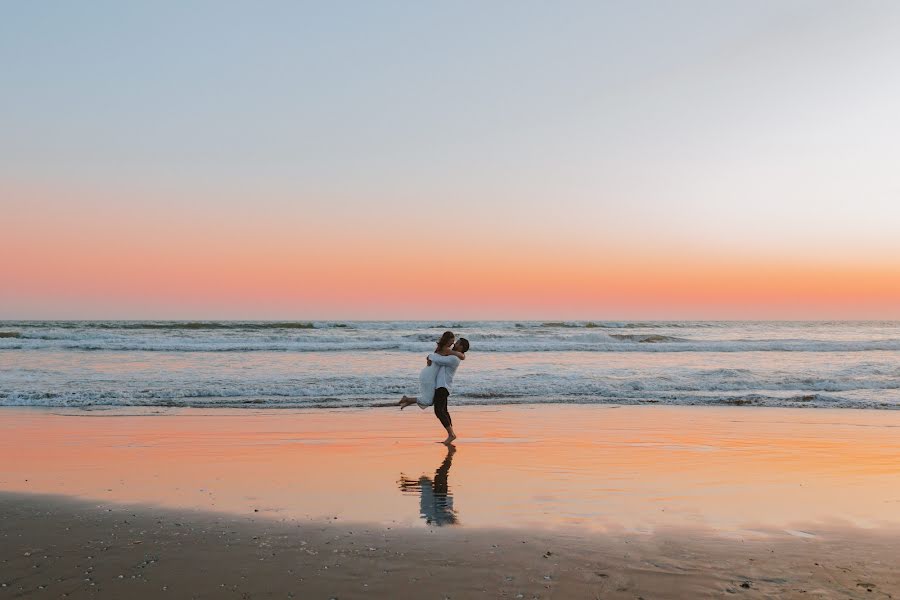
<point x="464" y="344"/>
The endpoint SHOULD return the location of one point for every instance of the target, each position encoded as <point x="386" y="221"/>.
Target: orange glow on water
<point x="596" y="467"/>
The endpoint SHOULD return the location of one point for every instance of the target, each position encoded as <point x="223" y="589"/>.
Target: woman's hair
<point x="445" y="340"/>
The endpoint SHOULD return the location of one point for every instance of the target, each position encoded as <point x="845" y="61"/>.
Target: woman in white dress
<point x="428" y="375"/>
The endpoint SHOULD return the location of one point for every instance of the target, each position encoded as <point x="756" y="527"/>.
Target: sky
<point x="465" y="160"/>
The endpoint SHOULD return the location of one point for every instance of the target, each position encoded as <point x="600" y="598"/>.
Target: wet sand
<point x="57" y="547"/>
<point x="564" y="502"/>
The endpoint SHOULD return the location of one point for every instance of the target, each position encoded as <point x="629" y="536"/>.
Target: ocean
<point x="332" y="364"/>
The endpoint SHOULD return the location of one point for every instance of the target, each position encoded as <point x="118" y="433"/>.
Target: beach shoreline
<point x="610" y="501"/>
<point x="596" y="467"/>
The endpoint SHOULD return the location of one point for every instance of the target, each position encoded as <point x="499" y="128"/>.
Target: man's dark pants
<point x="440" y="406"/>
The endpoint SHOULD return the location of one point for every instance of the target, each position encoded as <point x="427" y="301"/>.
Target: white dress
<point x="427" y="378"/>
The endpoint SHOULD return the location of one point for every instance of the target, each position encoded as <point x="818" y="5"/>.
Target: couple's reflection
<point x="435" y="499"/>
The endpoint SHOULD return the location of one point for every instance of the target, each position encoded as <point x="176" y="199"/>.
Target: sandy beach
<point x="533" y="502"/>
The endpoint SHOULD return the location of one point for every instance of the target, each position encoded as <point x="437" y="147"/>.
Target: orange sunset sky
<point x="498" y="161"/>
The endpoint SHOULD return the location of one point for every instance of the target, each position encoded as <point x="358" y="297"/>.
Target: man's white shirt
<point x="447" y="370"/>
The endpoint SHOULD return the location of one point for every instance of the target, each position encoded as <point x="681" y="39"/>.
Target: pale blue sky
<point x="763" y="128"/>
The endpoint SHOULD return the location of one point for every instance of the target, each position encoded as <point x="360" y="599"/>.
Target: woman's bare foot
<point x="405" y="401"/>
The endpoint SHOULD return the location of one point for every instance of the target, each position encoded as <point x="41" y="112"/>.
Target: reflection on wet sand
<point x="435" y="499"/>
<point x="638" y="468"/>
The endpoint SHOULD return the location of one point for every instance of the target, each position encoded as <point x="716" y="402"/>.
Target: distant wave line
<point x="627" y="345"/>
<point x="802" y="400"/>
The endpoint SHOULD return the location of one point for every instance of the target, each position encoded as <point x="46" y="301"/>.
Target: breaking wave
<point x="370" y="364"/>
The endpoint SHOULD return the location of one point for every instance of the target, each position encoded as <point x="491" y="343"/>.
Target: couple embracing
<point x="437" y="377"/>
